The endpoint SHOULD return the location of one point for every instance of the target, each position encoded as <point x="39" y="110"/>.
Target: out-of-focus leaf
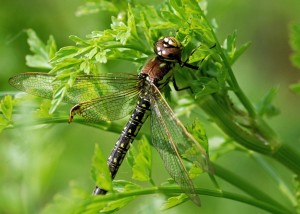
<point x="125" y="186"/>
<point x="199" y="134"/>
<point x="100" y="171"/>
<point x="43" y="111"/>
<point x="240" y="51"/>
<point x="205" y="86"/>
<point x="115" y="205"/>
<point x="91" y="7"/>
<point x="295" y="88"/>
<point x="51" y="47"/>
<point x="295" y="44"/>
<point x="230" y="48"/>
<point x="124" y="31"/>
<point x="141" y="160"/>
<point x="174" y="201"/>
<point x="265" y="106"/>
<point x="42" y="53"/>
<point x="297" y="192"/>
<point x="6" y="107"/>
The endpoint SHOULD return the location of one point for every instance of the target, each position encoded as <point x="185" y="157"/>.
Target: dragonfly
<point x="112" y="96"/>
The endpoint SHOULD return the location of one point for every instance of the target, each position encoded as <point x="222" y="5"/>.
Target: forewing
<point x="39" y="84"/>
<point x="174" y="143"/>
<point x="101" y="97"/>
<point x="110" y="107"/>
<point x="91" y="87"/>
<point x="83" y="88"/>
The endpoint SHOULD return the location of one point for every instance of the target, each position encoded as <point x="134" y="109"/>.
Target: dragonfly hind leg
<point x="99" y="191"/>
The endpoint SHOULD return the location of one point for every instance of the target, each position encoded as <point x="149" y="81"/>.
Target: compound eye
<point x="168" y="48"/>
<point x="171" y="42"/>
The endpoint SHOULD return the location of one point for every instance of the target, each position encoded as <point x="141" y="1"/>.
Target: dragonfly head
<point x="168" y="49"/>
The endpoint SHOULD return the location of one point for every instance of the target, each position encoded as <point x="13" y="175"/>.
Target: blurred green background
<point x="38" y="162"/>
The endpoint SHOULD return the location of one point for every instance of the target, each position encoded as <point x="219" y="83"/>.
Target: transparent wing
<point x="108" y="108"/>
<point x="174" y="143"/>
<point x="84" y="87"/>
<point x="103" y="97"/>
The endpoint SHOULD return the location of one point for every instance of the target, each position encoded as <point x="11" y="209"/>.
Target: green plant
<point x="130" y="38"/>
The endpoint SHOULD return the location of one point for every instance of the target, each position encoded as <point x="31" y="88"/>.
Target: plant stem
<point x="233" y="82"/>
<point x="281" y="152"/>
<point x="245" y="186"/>
<point x="171" y="190"/>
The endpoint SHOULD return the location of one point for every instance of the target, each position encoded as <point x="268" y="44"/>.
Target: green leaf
<point x="295" y="44"/>
<point x="198" y="132"/>
<point x="295" y="58"/>
<point x="174" y="201"/>
<point x="240" y="51"/>
<point x="205" y="86"/>
<point x="101" y="56"/>
<point x="131" y="23"/>
<point x="6" y="107"/>
<point x="51" y="47"/>
<point x="265" y="106"/>
<point x="3" y="124"/>
<point x="296" y="184"/>
<point x="95" y="7"/>
<point x="115" y="205"/>
<point x="58" y="96"/>
<point x="100" y="171"/>
<point x="295" y="88"/>
<point x="141" y="160"/>
<point x="70" y="203"/>
<point x="229" y="46"/>
<point x="78" y="40"/>
<point x="195" y="171"/>
<point x="42" y="53"/>
<point x="125" y="186"/>
<point x="43" y="111"/>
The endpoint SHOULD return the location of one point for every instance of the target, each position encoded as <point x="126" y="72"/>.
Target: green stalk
<point x="248" y="188"/>
<point x="281" y="152"/>
<point x="171" y="190"/>
<point x="233" y="82"/>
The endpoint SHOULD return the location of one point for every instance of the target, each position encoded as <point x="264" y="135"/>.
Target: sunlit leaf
<point x="295" y="44"/>
<point x="100" y="171"/>
<point x="297" y="192"/>
<point x="125" y="186"/>
<point x="116" y="204"/>
<point x="43" y="111"/>
<point x="174" y="201"/>
<point x="51" y="47"/>
<point x="141" y="160"/>
<point x="198" y="132"/>
<point x="6" y="107"/>
<point x="295" y="88"/>
<point x="95" y="7"/>
<point x="42" y="53"/>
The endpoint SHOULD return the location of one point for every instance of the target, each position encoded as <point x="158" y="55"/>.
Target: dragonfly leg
<point x="99" y="191"/>
<point x="180" y="89"/>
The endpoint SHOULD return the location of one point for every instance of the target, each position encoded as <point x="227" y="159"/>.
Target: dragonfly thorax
<point x="158" y="71"/>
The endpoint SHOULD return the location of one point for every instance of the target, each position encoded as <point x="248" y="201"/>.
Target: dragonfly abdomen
<point x="130" y="131"/>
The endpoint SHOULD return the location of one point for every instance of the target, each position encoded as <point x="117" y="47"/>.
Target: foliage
<point x="295" y="57"/>
<point x="130" y="38"/>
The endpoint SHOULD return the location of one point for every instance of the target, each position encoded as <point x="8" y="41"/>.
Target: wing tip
<point x="195" y="199"/>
